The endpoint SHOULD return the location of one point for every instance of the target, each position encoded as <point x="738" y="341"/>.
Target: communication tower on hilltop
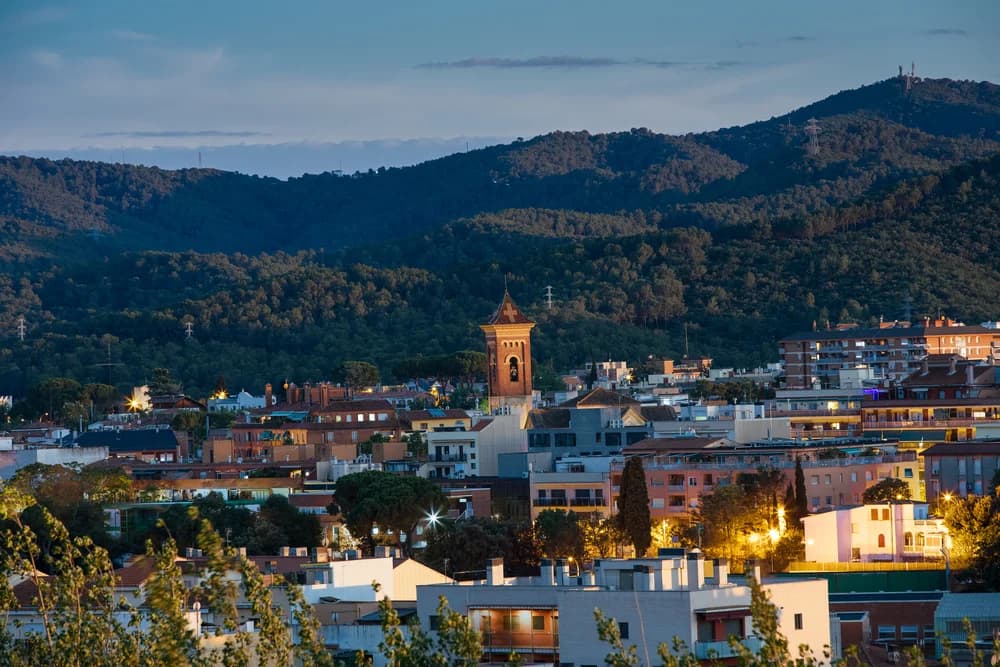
<point x="21" y="328"/>
<point x="548" y="297"/>
<point x="812" y="130"/>
<point x="188" y="330"/>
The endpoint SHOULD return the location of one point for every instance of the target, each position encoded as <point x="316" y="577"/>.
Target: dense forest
<point x="739" y="235"/>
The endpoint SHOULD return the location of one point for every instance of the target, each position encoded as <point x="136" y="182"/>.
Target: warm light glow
<point x="810" y="541"/>
<point x="781" y="511"/>
<point x="773" y="534"/>
<point x="899" y="496"/>
<point x="947" y="497"/>
<point x="752" y="538"/>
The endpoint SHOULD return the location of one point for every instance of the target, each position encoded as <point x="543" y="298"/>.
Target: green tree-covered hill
<point x="738" y="234"/>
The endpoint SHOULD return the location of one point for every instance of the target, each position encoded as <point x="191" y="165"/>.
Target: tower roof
<point x="508" y="313"/>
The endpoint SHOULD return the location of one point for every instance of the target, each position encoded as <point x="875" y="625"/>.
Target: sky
<point x="286" y="88"/>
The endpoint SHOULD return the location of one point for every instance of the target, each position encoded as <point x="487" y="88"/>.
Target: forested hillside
<point x="738" y="234"/>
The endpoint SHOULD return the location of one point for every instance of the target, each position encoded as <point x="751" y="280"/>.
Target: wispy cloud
<point x="133" y="36"/>
<point x="572" y="62"/>
<point x="183" y="134"/>
<point x="947" y="32"/>
<point x="46" y="58"/>
<point x="35" y="17"/>
<point x="799" y="38"/>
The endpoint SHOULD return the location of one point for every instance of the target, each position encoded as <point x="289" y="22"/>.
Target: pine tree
<point x="633" y="506"/>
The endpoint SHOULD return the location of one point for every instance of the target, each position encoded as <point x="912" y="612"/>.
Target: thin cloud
<point x="175" y="134"/>
<point x="133" y="36"/>
<point x="725" y="64"/>
<point x="947" y="32"/>
<point x="34" y="17"/>
<point x="559" y="62"/>
<point x="800" y="38"/>
<point x="45" y="58"/>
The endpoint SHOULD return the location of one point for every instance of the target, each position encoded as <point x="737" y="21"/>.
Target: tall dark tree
<point x="801" y="497"/>
<point x="633" y="506"/>
<point x="592" y="375"/>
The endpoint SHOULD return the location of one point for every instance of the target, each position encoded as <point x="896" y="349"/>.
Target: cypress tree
<point x="633" y="506"/>
<point x="801" y="499"/>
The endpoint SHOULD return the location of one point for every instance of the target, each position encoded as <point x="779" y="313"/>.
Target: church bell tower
<point x="508" y="357"/>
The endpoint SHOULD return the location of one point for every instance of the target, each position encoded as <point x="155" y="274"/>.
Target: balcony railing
<point x="870" y="425"/>
<point x="447" y="458"/>
<point x="506" y="642"/>
<point x="570" y="502"/>
<point x="721" y="650"/>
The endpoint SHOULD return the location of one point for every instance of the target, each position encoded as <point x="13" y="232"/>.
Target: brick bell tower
<point x="508" y="357"/>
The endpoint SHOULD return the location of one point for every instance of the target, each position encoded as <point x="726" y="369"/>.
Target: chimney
<point x="547" y="575"/>
<point x="643" y="578"/>
<point x="952" y="364"/>
<point x="721" y="566"/>
<point x="970" y="375"/>
<point x="696" y="570"/>
<point x="752" y="570"/>
<point x="494" y="572"/>
<point x="268" y="392"/>
<point x="562" y="572"/>
<point x="924" y="366"/>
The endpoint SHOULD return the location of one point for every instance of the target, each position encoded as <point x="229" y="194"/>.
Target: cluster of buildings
<point x="917" y="403"/>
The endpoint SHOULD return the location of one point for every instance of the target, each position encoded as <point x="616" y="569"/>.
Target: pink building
<point x="883" y="532"/>
<point x="676" y="481"/>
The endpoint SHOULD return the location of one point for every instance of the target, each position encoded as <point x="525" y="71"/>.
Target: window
<point x="829" y="500"/>
<point x="908" y="473"/>
<point x="814" y="480"/>
<point x="886" y="632"/>
<point x="538" y="439"/>
<point x="565" y="439"/>
<point x="371" y="416"/>
<point x="537" y="622"/>
<point x="908" y="633"/>
<point x="692" y="481"/>
<point x="827" y="479"/>
<point x="885" y="514"/>
<point x="677" y="501"/>
<point x="597" y="437"/>
<point x="874" y="514"/>
<point x="612" y="439"/>
<point x="881" y="540"/>
<point x="676" y="480"/>
<point x="855" y="529"/>
<point x="868" y="475"/>
<point x="657" y="503"/>
<point x="707" y="481"/>
<point x="798" y="621"/>
<point x="361" y="416"/>
<point x="854" y="476"/>
<point x="815" y="501"/>
<point x="435" y="622"/>
<point x="623" y="629"/>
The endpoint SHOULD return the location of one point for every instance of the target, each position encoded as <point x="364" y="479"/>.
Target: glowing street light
<point x="433" y="517"/>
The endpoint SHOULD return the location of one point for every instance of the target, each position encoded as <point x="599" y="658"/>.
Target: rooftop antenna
<point x="199" y="159"/>
<point x="21" y="328"/>
<point x="188" y="329"/>
<point x="812" y="130"/>
<point x="548" y="297"/>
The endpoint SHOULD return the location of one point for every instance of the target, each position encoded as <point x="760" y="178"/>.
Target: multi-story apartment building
<point x="600" y="422"/>
<point x="960" y="468"/>
<point x="586" y="493"/>
<point x="675" y="480"/>
<point x="815" y="359"/>
<point x="550" y="618"/>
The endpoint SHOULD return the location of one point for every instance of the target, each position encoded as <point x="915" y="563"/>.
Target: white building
<point x="550" y="618"/>
<point x="458" y="453"/>
<point x="241" y="402"/>
<point x="882" y="532"/>
<point x="334" y="469"/>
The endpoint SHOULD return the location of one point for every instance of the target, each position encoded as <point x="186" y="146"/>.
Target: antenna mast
<point x="188" y="330"/>
<point x="21" y="328"/>
<point x="548" y="297"/>
<point x="812" y="130"/>
<point x="109" y="364"/>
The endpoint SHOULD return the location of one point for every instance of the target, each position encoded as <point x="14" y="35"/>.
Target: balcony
<point x="447" y="458"/>
<point x="722" y="650"/>
<point x="588" y="502"/>
<point x="920" y="423"/>
<point x="524" y="642"/>
<point x="550" y="502"/>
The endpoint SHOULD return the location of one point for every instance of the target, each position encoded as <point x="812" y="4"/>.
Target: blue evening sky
<point x="225" y="77"/>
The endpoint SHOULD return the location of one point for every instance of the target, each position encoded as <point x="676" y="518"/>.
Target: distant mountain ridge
<point x="871" y="137"/>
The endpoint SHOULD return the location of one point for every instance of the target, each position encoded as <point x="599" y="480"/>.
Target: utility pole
<point x="21" y="328"/>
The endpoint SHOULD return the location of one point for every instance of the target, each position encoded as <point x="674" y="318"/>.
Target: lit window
<point x="798" y="621"/>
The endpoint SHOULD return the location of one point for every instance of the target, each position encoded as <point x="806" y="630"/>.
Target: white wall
<point x="503" y="436"/>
